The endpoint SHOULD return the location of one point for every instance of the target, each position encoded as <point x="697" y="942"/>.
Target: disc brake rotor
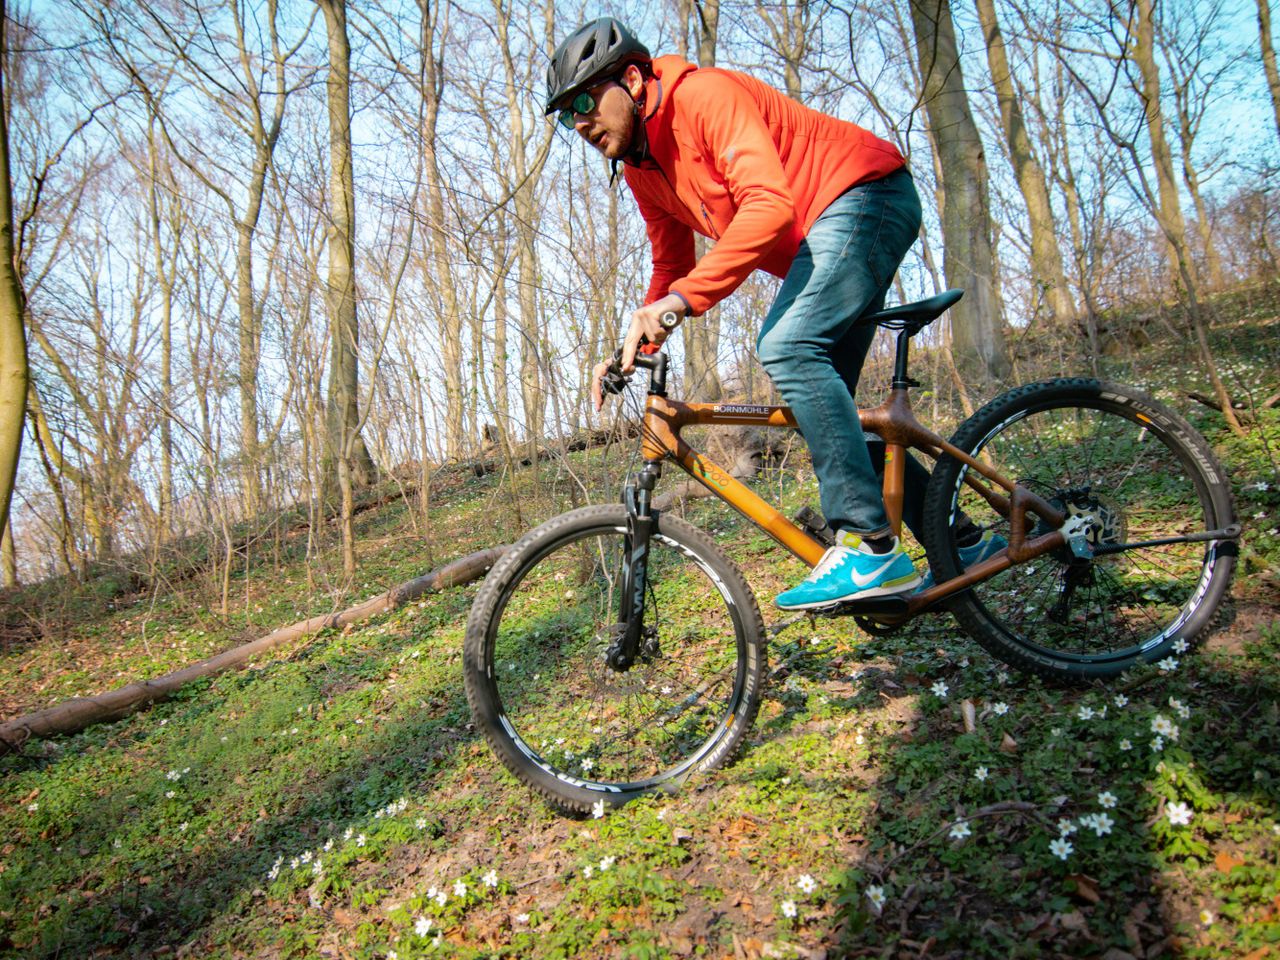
<point x="1107" y="524"/>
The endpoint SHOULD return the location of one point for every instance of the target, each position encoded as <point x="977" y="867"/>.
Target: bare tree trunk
<point x="14" y="372"/>
<point x="702" y="335"/>
<point x="968" y="259"/>
<point x="789" y="32"/>
<point x="65" y="532"/>
<point x="1212" y="259"/>
<point x="1046" y="258"/>
<point x="165" y="274"/>
<point x="8" y="557"/>
<point x="524" y="182"/>
<point x="1269" y="57"/>
<point x="501" y="376"/>
<point x="1186" y="40"/>
<point x="353" y="463"/>
<point x="431" y="85"/>
<point x="1169" y="212"/>
<point x="1142" y="50"/>
<point x="1161" y="201"/>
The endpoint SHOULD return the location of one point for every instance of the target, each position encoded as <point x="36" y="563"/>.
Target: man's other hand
<point x="647" y="322"/>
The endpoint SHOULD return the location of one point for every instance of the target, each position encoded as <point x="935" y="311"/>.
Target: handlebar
<point x="615" y="382"/>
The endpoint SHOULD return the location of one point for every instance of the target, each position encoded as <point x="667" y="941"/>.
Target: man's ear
<point x="633" y="81"/>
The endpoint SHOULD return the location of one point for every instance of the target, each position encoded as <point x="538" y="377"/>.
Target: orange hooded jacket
<point x="736" y="160"/>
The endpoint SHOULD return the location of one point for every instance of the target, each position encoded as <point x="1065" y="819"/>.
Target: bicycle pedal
<point x="815" y="525"/>
<point x="872" y="606"/>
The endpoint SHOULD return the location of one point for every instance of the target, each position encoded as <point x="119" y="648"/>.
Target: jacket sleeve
<point x="725" y="121"/>
<point x="671" y="244"/>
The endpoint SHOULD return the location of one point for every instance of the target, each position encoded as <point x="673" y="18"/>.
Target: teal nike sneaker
<point x="990" y="544"/>
<point x="850" y="571"/>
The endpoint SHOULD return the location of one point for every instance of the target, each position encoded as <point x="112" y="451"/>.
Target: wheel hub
<point x="1104" y="523"/>
<point x="616" y="655"/>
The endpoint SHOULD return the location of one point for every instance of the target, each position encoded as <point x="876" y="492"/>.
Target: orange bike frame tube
<point x="663" y="421"/>
<point x="897" y="426"/>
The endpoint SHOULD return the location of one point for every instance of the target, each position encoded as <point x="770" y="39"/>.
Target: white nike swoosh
<point x="866" y="580"/>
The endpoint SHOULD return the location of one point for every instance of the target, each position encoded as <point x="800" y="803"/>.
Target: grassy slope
<point x="179" y="828"/>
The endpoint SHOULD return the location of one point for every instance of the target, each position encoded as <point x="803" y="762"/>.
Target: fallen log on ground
<point x="746" y="448"/>
<point x="72" y="716"/>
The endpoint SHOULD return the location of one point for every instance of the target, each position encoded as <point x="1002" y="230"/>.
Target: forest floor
<point x="334" y="800"/>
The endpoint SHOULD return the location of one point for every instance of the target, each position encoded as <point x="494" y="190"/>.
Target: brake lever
<point x="614" y="382"/>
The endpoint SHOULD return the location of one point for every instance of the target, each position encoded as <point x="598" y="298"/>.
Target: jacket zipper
<point x="707" y="217"/>
<point x="715" y="234"/>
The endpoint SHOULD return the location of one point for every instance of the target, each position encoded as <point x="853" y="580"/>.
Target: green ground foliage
<point x="334" y="800"/>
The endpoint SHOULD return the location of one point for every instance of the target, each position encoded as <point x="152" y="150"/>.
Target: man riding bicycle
<point x="820" y="202"/>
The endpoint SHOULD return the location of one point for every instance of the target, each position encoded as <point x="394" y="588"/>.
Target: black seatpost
<point x="900" y="378"/>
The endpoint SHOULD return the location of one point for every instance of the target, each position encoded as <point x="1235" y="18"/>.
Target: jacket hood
<point x="668" y="71"/>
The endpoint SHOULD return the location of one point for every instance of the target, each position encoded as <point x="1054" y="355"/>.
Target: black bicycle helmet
<point x="591" y="53"/>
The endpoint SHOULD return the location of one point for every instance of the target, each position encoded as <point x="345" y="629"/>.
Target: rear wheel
<point x="1137" y="473"/>
<point x="562" y="720"/>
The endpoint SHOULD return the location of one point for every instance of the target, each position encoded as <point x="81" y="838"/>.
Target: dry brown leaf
<point x="742" y="825"/>
<point x="1008" y="744"/>
<point x="970" y="716"/>
<point x="1226" y="862"/>
<point x="1086" y="887"/>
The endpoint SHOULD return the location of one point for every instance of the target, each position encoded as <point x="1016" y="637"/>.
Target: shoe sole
<point x="874" y="592"/>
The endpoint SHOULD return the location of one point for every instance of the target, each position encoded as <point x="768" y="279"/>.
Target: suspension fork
<point x="641" y="520"/>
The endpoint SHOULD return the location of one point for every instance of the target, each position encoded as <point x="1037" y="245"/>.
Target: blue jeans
<point x="813" y="352"/>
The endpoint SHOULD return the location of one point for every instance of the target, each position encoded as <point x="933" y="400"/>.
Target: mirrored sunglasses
<point x="582" y="103"/>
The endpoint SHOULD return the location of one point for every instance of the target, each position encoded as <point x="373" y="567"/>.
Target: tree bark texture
<point x="1269" y="57"/>
<point x="351" y="461"/>
<point x="788" y="24"/>
<point x="968" y="255"/>
<point x="1046" y="257"/>
<point x="702" y="334"/>
<point x="1142" y="51"/>
<point x="524" y="182"/>
<point x="438" y="272"/>
<point x="14" y="371"/>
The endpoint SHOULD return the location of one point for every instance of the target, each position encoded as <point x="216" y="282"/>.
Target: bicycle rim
<point x="1139" y="474"/>
<point x="566" y="713"/>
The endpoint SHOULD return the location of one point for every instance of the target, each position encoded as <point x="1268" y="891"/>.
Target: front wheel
<point x="558" y="716"/>
<point x="1143" y="480"/>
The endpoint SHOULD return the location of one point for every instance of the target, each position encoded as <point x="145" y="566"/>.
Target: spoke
<point x="1142" y="609"/>
<point x="1088" y="464"/>
<point x="1176" y="575"/>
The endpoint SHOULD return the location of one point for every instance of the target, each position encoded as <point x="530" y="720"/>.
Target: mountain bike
<point x="616" y="649"/>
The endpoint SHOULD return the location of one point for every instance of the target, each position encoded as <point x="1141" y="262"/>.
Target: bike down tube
<point x="663" y="422"/>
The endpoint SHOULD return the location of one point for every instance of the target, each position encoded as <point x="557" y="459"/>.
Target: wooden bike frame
<point x="894" y="422"/>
